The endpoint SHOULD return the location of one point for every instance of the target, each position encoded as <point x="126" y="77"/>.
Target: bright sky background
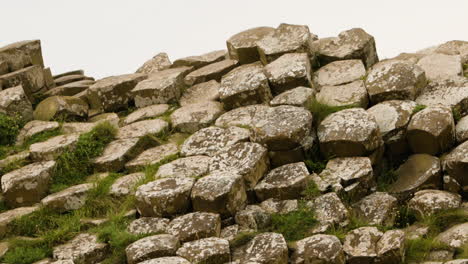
<point x="111" y="37"/>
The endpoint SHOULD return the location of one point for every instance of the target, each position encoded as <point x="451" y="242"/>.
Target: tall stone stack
<point x="216" y="151"/>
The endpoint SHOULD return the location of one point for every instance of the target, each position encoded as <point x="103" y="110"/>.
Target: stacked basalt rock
<point x="251" y="130"/>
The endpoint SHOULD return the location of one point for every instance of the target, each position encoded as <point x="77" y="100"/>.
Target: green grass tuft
<point x="242" y="238"/>
<point x="418" y="249"/>
<point x="74" y="166"/>
<point x="26" y="252"/>
<point x="320" y="111"/>
<point x="418" y="108"/>
<point x="311" y="191"/>
<point x="9" y="129"/>
<point x="456" y="115"/>
<point x="294" y="225"/>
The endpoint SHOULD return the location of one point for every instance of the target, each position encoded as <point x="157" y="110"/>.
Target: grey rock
<point x="243" y="45"/>
<point x="322" y="249"/>
<point x="14" y="102"/>
<point x="71" y="78"/>
<point x="194" y="166"/>
<point x="340" y="72"/>
<point x="276" y="206"/>
<point x="242" y="116"/>
<point x="28" y="184"/>
<point x="113" y="93"/>
<point x="265" y="248"/>
<point x="166" y="260"/>
<point x="53" y="147"/>
<point x="152" y="156"/>
<point x="146" y="113"/>
<point x="117" y="153"/>
<point x="350" y="132"/>
<point x="391" y="247"/>
<point x="350" y="44"/>
<point x="253" y="217"/>
<point x="448" y="93"/>
<point x="245" y="85"/>
<point x="285" y="182"/>
<point x="61" y="108"/>
<point x="126" y="185"/>
<point x="210" y="250"/>
<point x="454" y="237"/>
<point x="208" y="141"/>
<point x="9" y="216"/>
<point x="195" y="226"/>
<point x="193" y="117"/>
<point x="289" y="71"/>
<point x="455" y="163"/>
<point x="428" y="202"/>
<point x="30" y="78"/>
<point x="72" y="198"/>
<point x="164" y="197"/>
<point x="440" y="66"/>
<point x="202" y="92"/>
<point x="209" y="72"/>
<point x="378" y="208"/>
<point x="431" y="130"/>
<point x="83" y="249"/>
<point x="250" y="160"/>
<point x="148" y="225"/>
<point x="158" y="63"/>
<point x="360" y="245"/>
<point x="286" y="38"/>
<point x="152" y="247"/>
<point x="330" y="211"/>
<point x="394" y="80"/>
<point x="461" y="130"/>
<point x="160" y="87"/>
<point x="201" y="60"/>
<point x="300" y="96"/>
<point x="35" y="127"/>
<point x="142" y="128"/>
<point x="351" y="94"/>
<point x="219" y="192"/>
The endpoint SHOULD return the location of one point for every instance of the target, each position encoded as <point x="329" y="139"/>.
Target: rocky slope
<point x="286" y="148"/>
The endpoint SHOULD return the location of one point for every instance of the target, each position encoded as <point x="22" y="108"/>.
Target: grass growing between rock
<point x="74" y="166"/>
<point x="418" y="108"/>
<point x="294" y="225"/>
<point x="320" y="111"/>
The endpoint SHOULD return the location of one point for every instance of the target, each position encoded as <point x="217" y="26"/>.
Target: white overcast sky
<point x="111" y="37"/>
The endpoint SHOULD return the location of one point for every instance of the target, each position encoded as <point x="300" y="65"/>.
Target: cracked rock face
<point x="354" y="93"/>
<point x="219" y="192"/>
<point x="394" y="80"/>
<point x="146" y="113"/>
<point x="285" y="182"/>
<point x="339" y="72"/>
<point x="378" y="208"/>
<point x="152" y="247"/>
<point x="209" y="141"/>
<point x="282" y="127"/>
<point x="213" y="71"/>
<point x="431" y="130"/>
<point x="164" y="197"/>
<point x="116" y="154"/>
<point x="210" y="250"/>
<point x="142" y="128"/>
<point x="350" y="44"/>
<point x="320" y="249"/>
<point x="83" y="249"/>
<point x="13" y="102"/>
<point x="300" y="96"/>
<point x="245" y="85"/>
<point x="72" y="198"/>
<point x="195" y="226"/>
<point x="361" y="244"/>
<point x="250" y="160"/>
<point x="202" y="92"/>
<point x="265" y="248"/>
<point x="429" y="202"/>
<point x="289" y="71"/>
<point x="53" y="147"/>
<point x="193" y="117"/>
<point x="194" y="166"/>
<point x="113" y="93"/>
<point x="286" y="38"/>
<point x="148" y="225"/>
<point x="152" y="156"/>
<point x="350" y="132"/>
<point x="160" y="87"/>
<point x="243" y="45"/>
<point x="329" y="211"/>
<point x="27" y="185"/>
